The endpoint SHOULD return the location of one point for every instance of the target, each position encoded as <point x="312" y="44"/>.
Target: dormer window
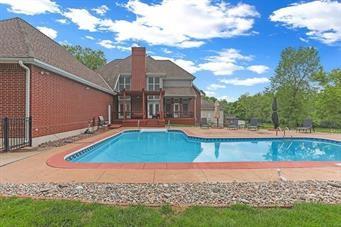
<point x="124" y="83"/>
<point x="154" y="83"/>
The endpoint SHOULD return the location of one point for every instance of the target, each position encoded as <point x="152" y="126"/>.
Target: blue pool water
<point x="175" y="146"/>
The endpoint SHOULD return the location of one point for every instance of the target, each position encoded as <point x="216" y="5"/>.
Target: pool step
<point x="144" y="123"/>
<point x="153" y="130"/>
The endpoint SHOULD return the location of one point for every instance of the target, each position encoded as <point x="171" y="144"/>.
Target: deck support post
<point x="124" y="104"/>
<point x="161" y="104"/>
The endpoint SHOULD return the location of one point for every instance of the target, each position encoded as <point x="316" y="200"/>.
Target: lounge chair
<point x="204" y="123"/>
<point x="232" y="124"/>
<point x="254" y="124"/>
<point x="306" y="126"/>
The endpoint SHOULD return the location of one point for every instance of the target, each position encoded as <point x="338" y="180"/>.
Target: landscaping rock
<point x="277" y="193"/>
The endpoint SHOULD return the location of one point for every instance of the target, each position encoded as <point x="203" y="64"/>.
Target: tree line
<point x="302" y="88"/>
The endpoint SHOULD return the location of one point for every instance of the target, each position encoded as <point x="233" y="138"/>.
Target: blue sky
<point x="232" y="47"/>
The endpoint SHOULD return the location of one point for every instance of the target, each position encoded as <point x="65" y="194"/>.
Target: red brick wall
<point x="59" y="104"/>
<point x="12" y="90"/>
<point x="138" y="70"/>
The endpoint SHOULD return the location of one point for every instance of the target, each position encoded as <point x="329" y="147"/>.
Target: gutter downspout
<point x="27" y="97"/>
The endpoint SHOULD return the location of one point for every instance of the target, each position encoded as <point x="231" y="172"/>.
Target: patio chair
<point x="241" y="124"/>
<point x="254" y="124"/>
<point x="102" y="122"/>
<point x="232" y="124"/>
<point x="306" y="126"/>
<point x="204" y="123"/>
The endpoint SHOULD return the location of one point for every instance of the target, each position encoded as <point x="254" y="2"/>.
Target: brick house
<point x="39" y="78"/>
<point x="151" y="92"/>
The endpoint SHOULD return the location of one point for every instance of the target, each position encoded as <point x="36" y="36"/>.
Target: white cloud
<point x="101" y="10"/>
<point x="83" y="19"/>
<point x="90" y="37"/>
<point x="224" y="97"/>
<point x="321" y="18"/>
<point x="167" y="51"/>
<point x="304" y="40"/>
<point x="111" y="45"/>
<point x="184" y="24"/>
<point x="62" y="21"/>
<point x="188" y="65"/>
<point x="210" y="93"/>
<point x="38" y="7"/>
<point x="107" y="44"/>
<point x="178" y="23"/>
<point x="49" y="32"/>
<point x="65" y="42"/>
<point x="259" y="69"/>
<point x="219" y="97"/>
<point x="213" y="87"/>
<point x="246" y="82"/>
<point x="226" y="62"/>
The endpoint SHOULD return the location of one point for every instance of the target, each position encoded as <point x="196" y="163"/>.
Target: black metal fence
<point x="15" y="133"/>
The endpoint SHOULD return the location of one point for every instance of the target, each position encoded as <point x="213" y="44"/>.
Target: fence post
<point x="30" y="130"/>
<point x="6" y="133"/>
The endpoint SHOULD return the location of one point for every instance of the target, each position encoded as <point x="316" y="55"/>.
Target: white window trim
<point x="124" y="83"/>
<point x="160" y="82"/>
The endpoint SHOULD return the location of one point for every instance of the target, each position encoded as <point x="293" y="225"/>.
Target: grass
<point x="28" y="212"/>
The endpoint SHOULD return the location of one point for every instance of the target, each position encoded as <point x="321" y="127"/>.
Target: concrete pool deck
<point x="34" y="169"/>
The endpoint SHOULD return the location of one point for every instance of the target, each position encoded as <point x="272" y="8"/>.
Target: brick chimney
<point x="138" y="68"/>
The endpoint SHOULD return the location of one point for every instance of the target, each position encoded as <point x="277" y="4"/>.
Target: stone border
<point x="261" y="194"/>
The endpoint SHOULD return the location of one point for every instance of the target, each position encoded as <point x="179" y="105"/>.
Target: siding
<point x="209" y="114"/>
<point x="177" y="83"/>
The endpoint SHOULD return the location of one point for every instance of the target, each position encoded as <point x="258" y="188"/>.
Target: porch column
<point x="143" y="104"/>
<point x="195" y="110"/>
<point x="180" y="101"/>
<point x="161" y="104"/>
<point x="124" y="104"/>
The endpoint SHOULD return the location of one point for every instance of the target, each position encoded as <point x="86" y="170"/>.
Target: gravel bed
<point x="277" y="193"/>
<point x="61" y="142"/>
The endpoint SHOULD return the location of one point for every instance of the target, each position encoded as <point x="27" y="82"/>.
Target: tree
<point x="93" y="59"/>
<point x="328" y="100"/>
<point x="293" y="83"/>
<point x="247" y="107"/>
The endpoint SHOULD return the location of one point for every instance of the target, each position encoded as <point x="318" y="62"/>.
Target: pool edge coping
<point x="59" y="160"/>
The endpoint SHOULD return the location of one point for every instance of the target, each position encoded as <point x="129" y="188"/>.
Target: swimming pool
<point x="176" y="147"/>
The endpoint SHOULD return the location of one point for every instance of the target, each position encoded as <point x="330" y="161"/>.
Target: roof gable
<point x="167" y="68"/>
<point x="19" y="39"/>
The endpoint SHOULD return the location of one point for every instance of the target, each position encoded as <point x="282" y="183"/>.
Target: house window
<point x="124" y="83"/>
<point x="185" y="108"/>
<point x="154" y="83"/>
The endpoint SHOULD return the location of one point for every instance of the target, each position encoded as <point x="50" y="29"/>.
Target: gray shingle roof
<point x="19" y="39"/>
<point x="169" y="69"/>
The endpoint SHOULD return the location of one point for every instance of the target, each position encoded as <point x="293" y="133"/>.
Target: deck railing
<point x="179" y="114"/>
<point x="139" y="115"/>
<point x="15" y="133"/>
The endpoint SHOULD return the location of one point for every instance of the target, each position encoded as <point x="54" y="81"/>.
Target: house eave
<point x="44" y="65"/>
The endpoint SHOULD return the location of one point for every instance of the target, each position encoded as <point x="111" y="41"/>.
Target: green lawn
<point x="27" y="212"/>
